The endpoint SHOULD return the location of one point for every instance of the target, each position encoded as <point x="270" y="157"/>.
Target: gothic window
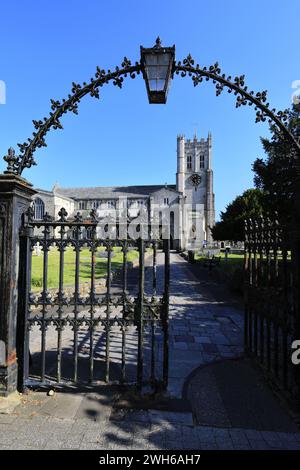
<point x="189" y="162"/>
<point x="95" y="204"/>
<point x="75" y="234"/>
<point x="39" y="208"/>
<point x="201" y="161"/>
<point x="136" y="203"/>
<point x="88" y="233"/>
<point x="110" y="204"/>
<point x="82" y="205"/>
<point x="166" y="201"/>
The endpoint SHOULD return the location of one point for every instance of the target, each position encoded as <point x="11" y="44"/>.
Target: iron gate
<point x="270" y="309"/>
<point x="113" y="327"/>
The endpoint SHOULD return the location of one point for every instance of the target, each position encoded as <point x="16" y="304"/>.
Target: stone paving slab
<point x="62" y="405"/>
<point x="158" y="417"/>
<point x="163" y="431"/>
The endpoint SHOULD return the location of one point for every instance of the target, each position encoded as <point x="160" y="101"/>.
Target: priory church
<point x="190" y="202"/>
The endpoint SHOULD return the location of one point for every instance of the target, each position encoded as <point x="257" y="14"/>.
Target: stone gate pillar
<point x="15" y="197"/>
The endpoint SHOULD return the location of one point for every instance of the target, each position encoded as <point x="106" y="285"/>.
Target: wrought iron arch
<point x="278" y="119"/>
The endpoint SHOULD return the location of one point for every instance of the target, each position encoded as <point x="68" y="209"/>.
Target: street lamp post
<point x="157" y="66"/>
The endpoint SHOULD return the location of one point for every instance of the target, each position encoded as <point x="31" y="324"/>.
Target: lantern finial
<point x="158" y="43"/>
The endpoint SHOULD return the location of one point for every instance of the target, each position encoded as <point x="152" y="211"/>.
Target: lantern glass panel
<point x="157" y="66"/>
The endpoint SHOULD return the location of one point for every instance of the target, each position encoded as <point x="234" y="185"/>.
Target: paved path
<point x="138" y="430"/>
<point x="202" y="332"/>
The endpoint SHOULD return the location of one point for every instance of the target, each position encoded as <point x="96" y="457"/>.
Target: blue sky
<point x="121" y="139"/>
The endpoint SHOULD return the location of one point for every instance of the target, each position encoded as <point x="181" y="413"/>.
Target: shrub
<point x="37" y="282"/>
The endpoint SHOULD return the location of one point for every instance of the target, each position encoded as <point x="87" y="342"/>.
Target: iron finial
<point x="11" y="159"/>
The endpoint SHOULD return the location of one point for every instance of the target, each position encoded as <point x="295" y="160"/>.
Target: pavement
<point x="216" y="399"/>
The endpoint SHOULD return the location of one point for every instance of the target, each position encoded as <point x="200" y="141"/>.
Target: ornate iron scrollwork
<point x="269" y="313"/>
<point x="100" y="308"/>
<point x="17" y="163"/>
<point x="278" y="119"/>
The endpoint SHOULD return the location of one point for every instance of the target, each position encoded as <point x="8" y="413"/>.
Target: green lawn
<point x="231" y="256"/>
<point x="232" y="262"/>
<point x="231" y="270"/>
<point x="69" y="266"/>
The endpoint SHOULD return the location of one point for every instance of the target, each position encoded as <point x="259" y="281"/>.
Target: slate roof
<point x="49" y="193"/>
<point x="39" y="190"/>
<point x="111" y="192"/>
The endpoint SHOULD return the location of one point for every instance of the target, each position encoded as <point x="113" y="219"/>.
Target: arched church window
<point x="201" y="161"/>
<point x="111" y="204"/>
<point x="189" y="162"/>
<point x="82" y="205"/>
<point x="39" y="208"/>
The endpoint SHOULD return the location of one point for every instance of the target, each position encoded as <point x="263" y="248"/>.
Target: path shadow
<point x="234" y="393"/>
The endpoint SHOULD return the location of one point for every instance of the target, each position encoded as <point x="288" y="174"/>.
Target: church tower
<point x="194" y="179"/>
<point x="180" y="164"/>
<point x="210" y="197"/>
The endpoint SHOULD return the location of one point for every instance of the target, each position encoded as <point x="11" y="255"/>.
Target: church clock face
<point x="195" y="180"/>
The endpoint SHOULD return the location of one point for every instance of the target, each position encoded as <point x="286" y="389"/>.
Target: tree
<point x="231" y="225"/>
<point x="276" y="175"/>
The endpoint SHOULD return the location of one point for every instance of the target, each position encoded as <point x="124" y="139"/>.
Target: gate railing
<point x="269" y="300"/>
<point x="123" y="321"/>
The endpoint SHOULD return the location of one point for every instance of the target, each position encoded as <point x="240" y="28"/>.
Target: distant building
<point x="188" y="206"/>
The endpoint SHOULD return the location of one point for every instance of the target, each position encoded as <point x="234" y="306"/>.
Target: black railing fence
<point x="270" y="308"/>
<point x="94" y="315"/>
